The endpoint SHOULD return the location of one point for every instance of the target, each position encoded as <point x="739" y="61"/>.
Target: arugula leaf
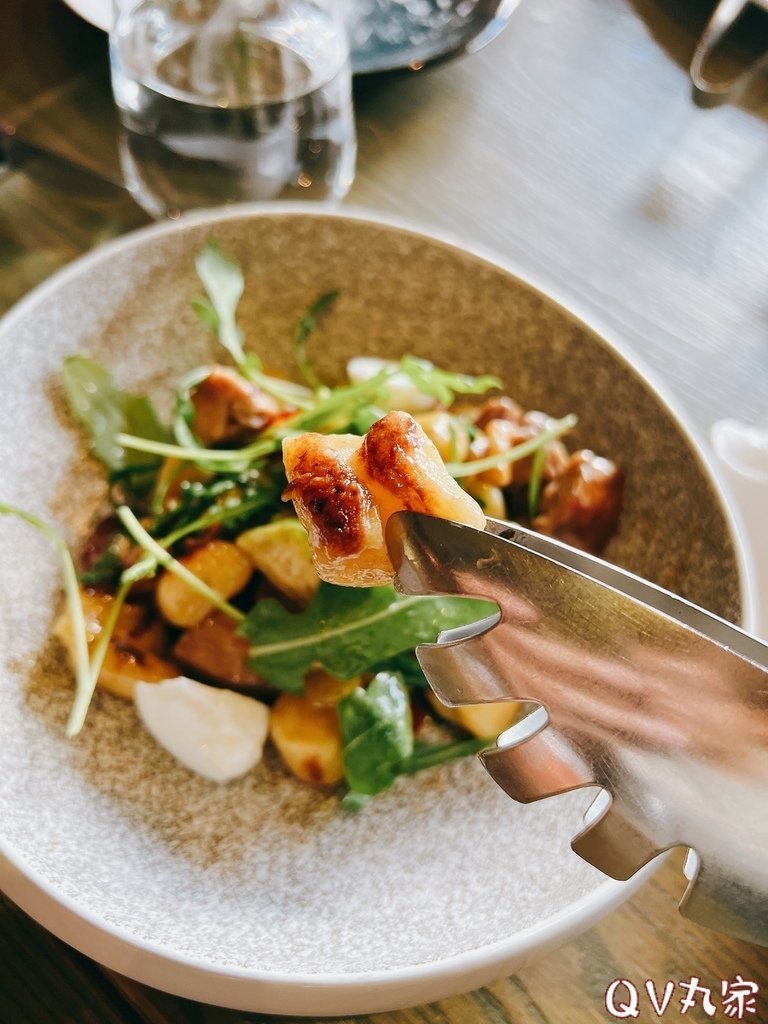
<point x="347" y="630"/>
<point x="206" y="314"/>
<point x="233" y="503"/>
<point x="222" y="279"/>
<point x="442" y="384"/>
<point x="105" y="410"/>
<point x="376" y="733"/>
<point x="364" y="419"/>
<point x="304" y="329"/>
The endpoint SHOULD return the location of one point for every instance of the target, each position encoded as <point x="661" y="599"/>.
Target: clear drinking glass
<point x="230" y="100"/>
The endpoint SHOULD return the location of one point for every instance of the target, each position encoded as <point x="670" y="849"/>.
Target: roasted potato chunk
<point x="220" y="564"/>
<point x="134" y="648"/>
<point x="486" y="721"/>
<point x="281" y="551"/>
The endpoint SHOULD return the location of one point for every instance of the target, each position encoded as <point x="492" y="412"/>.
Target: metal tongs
<point x="628" y="688"/>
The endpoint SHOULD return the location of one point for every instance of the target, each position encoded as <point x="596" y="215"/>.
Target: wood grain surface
<point x="570" y="147"/>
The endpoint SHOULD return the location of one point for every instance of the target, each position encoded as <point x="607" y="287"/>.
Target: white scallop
<point x="216" y="733"/>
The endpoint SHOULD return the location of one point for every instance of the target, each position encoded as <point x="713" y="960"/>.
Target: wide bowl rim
<point x="365" y="991"/>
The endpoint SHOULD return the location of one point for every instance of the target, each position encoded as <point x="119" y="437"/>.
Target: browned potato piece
<point x="324" y="690"/>
<point x="307" y="738"/>
<point x="227" y="407"/>
<point x="447" y="434"/>
<point x="132" y="653"/>
<point x="305" y="727"/>
<point x="220" y="564"/>
<point x="490" y="499"/>
<point x="281" y="551"/>
<point x="486" y="721"/>
<point x="125" y="665"/>
<point x="581" y="506"/>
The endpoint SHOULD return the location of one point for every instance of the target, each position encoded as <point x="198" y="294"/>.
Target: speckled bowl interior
<point x="265" y="874"/>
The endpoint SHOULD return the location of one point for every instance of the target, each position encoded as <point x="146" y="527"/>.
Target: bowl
<point x="262" y="895"/>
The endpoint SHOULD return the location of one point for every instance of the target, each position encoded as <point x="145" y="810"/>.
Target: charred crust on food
<point x="388" y="451"/>
<point x="334" y="498"/>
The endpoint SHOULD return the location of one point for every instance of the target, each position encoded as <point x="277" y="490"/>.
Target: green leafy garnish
<point x="429" y="755"/>
<point x="105" y="571"/>
<point x="106" y="411"/>
<point x="376" y="733"/>
<point x="167" y="561"/>
<point x="442" y="384"/>
<point x="223" y="281"/>
<point x="534" y="481"/>
<point x="348" y="630"/>
<point x="377" y="740"/>
<point x="84" y="683"/>
<point x="406" y="665"/>
<point x="304" y="329"/>
<point x="519" y="451"/>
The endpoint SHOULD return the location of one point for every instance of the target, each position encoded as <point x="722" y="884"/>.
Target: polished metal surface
<point x="722" y="20"/>
<point x="659" y="703"/>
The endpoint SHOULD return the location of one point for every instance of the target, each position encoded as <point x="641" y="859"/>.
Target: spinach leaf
<point x="378" y="744"/>
<point x="376" y="733"/>
<point x="105" y="410"/>
<point x="347" y="630"/>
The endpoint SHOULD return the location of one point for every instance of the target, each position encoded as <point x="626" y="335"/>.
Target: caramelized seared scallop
<point x="404" y="472"/>
<point x="345" y="488"/>
<point x="336" y="509"/>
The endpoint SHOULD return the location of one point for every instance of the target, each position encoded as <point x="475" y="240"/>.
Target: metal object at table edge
<point x="725" y="15"/>
<point x="637" y="691"/>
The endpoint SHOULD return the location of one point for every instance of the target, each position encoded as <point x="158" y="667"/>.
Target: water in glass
<point x="232" y="100"/>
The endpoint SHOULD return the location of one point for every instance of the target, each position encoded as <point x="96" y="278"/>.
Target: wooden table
<point x="571" y="147"/>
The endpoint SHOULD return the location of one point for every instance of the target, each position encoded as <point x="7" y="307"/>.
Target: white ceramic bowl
<point x="262" y="895"/>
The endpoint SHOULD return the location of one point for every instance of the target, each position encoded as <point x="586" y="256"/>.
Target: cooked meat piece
<point x="345" y="488"/>
<point x="404" y="471"/>
<point x="336" y="509"/>
<point x="502" y="435"/>
<point x="213" y="651"/>
<point x="228" y="408"/>
<point x="581" y="506"/>
<point x="499" y="408"/>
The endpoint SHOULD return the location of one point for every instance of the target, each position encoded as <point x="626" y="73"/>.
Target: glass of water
<point x="226" y="101"/>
